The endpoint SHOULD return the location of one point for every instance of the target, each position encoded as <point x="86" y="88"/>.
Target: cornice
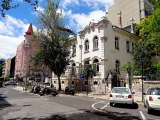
<point x="101" y="24"/>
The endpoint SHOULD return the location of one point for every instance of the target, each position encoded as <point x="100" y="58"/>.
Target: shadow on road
<point x="155" y="112"/>
<point x="89" y="115"/>
<point x="127" y="106"/>
<point x="3" y="102"/>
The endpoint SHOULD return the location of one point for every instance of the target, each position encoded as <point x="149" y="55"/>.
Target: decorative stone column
<point x="110" y="81"/>
<point x="127" y="80"/>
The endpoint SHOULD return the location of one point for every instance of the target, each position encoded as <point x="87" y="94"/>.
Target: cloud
<point x="12" y="32"/>
<point x="89" y="3"/>
<point x="78" y="21"/>
<point x="39" y="10"/>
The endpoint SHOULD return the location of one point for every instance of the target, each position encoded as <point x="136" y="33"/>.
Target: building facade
<point x="108" y="48"/>
<point x="12" y="68"/>
<point x="135" y="9"/>
<point x="6" y="68"/>
<point x="23" y="66"/>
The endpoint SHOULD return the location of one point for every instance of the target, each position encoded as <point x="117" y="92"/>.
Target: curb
<point x="80" y="95"/>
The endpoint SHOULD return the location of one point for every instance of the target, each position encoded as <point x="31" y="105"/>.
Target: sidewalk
<point x="137" y="99"/>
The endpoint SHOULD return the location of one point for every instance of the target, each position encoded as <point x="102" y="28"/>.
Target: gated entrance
<point x="116" y="81"/>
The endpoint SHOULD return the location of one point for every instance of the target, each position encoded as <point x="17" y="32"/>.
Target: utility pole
<point x="142" y="81"/>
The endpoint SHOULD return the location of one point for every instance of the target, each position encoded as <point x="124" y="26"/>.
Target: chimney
<point x="132" y="25"/>
<point x="119" y="19"/>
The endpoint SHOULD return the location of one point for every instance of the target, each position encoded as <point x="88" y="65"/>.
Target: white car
<point x="152" y="99"/>
<point x="121" y="95"/>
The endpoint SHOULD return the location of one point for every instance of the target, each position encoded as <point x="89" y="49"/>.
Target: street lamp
<point x="142" y="81"/>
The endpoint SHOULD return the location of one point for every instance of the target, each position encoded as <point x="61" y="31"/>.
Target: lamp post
<point x="142" y="81"/>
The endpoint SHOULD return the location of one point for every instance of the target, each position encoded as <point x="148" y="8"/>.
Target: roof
<point x="124" y="31"/>
<point x="30" y="30"/>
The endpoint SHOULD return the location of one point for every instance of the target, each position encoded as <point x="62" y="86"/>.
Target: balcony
<point x="25" y="45"/>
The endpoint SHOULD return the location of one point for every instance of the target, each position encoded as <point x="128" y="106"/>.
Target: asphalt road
<point x="19" y="105"/>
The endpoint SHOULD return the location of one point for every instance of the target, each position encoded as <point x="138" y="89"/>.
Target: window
<point x="72" y="82"/>
<point x="96" y="64"/>
<point x="95" y="83"/>
<point x="73" y="69"/>
<point x="117" y="66"/>
<point x="116" y="43"/>
<point x="74" y="50"/>
<point x="95" y="42"/>
<point x="127" y="46"/>
<point x="86" y="45"/>
<point x="26" y="49"/>
<point x="62" y="82"/>
<point x="54" y="82"/>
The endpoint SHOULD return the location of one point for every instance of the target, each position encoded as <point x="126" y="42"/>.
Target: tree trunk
<point x="59" y="83"/>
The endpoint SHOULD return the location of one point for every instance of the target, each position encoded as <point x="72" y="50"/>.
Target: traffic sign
<point x="81" y="76"/>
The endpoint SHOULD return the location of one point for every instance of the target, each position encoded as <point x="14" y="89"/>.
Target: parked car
<point x="152" y="99"/>
<point x="10" y="83"/>
<point x="121" y="95"/>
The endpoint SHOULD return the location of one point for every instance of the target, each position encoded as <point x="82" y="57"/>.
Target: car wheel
<point x="149" y="110"/>
<point x="132" y="104"/>
<point x="53" y="93"/>
<point x="111" y="104"/>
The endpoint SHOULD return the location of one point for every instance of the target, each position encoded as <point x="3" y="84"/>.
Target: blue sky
<point x="77" y="13"/>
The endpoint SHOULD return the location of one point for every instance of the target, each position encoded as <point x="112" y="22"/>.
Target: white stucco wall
<point x="106" y="53"/>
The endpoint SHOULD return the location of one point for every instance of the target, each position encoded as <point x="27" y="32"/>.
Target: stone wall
<point x="100" y="89"/>
<point x="137" y="86"/>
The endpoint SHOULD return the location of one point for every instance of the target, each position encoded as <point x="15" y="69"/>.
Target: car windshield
<point x="155" y="91"/>
<point x="121" y="90"/>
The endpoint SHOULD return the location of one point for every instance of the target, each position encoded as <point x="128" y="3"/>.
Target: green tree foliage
<point x="148" y="46"/>
<point x="52" y="41"/>
<point x="9" y="4"/>
<point x="89" y="71"/>
<point x="6" y="78"/>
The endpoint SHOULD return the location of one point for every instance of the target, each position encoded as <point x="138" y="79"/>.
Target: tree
<point x="52" y="41"/>
<point x="6" y="78"/>
<point x="148" y="45"/>
<point x="8" y="4"/>
<point x="88" y="71"/>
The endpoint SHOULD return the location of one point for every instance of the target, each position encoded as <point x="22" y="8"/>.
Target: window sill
<point x="95" y="49"/>
<point x="86" y="52"/>
<point x="73" y="55"/>
<point x="117" y="48"/>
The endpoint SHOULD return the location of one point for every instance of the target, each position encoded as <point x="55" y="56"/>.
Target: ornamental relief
<point x="91" y="27"/>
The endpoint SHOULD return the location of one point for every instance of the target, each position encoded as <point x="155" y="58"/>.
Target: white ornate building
<point x="107" y="46"/>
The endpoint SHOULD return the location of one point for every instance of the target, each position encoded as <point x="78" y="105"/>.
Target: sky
<point x="77" y="14"/>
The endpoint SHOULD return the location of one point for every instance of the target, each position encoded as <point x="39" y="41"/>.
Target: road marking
<point x="95" y="104"/>
<point x="6" y="92"/>
<point x="143" y="117"/>
<point x="104" y="106"/>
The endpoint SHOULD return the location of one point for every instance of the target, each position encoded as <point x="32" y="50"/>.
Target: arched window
<point x="96" y="64"/>
<point x="117" y="65"/>
<point x="95" y="42"/>
<point x="74" y="50"/>
<point x="95" y="83"/>
<point x="73" y="69"/>
<point x="86" y="45"/>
